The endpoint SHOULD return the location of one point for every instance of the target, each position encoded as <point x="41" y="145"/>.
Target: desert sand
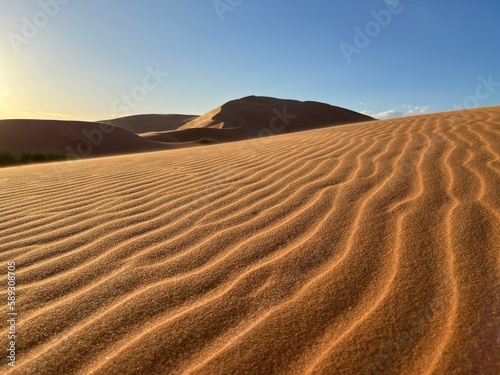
<point x="240" y="119"/>
<point x="368" y="248"/>
<point x="84" y="139"/>
<point x="150" y="123"/>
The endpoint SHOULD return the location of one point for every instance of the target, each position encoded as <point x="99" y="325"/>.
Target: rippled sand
<point x="369" y="248"/>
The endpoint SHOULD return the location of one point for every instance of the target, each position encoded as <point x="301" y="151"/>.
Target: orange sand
<point x="369" y="248"/>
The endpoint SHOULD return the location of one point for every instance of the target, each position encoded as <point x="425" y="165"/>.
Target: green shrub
<point x="207" y="140"/>
<point x="7" y="158"/>
<point x="27" y="157"/>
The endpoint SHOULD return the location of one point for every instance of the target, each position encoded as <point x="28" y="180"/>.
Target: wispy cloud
<point x="417" y="110"/>
<point x="406" y="110"/>
<point x="31" y="113"/>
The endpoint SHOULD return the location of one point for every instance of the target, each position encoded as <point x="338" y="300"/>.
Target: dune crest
<point x="370" y="248"/>
<point x="237" y="120"/>
<point x="252" y="113"/>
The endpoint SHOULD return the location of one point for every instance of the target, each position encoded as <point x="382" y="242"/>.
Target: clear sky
<point x="96" y="59"/>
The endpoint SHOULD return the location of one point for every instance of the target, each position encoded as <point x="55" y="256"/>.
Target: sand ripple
<point x="370" y="248"/>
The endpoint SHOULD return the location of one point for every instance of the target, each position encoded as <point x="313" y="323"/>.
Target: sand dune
<point x="150" y="123"/>
<point x="253" y="117"/>
<point x="251" y="114"/>
<point x="195" y="134"/>
<point x="369" y="248"/>
<point x="82" y="138"/>
<point x="240" y="119"/>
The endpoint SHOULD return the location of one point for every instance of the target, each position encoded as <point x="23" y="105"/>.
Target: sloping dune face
<point x="150" y="123"/>
<point x="360" y="249"/>
<point x="253" y="113"/>
<point x="76" y="137"/>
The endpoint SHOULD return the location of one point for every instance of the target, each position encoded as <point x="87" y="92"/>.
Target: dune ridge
<point x="139" y="124"/>
<point x="240" y="119"/>
<point x="369" y="248"/>
<point x="250" y="114"/>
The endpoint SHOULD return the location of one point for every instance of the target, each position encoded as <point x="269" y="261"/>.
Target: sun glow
<point x="4" y="90"/>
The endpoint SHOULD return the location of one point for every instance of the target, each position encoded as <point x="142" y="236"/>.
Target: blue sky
<point x="77" y="58"/>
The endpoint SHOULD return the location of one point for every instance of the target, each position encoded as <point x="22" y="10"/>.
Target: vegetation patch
<point x="8" y="158"/>
<point x="206" y="141"/>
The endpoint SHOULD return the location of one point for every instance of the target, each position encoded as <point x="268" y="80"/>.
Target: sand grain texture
<point x="369" y="248"/>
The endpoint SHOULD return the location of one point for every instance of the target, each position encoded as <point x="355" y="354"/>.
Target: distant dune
<point x="252" y="113"/>
<point x="82" y="138"/>
<point x="150" y="123"/>
<point x="240" y="119"/>
<point x="370" y="248"/>
<point x="195" y="134"/>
